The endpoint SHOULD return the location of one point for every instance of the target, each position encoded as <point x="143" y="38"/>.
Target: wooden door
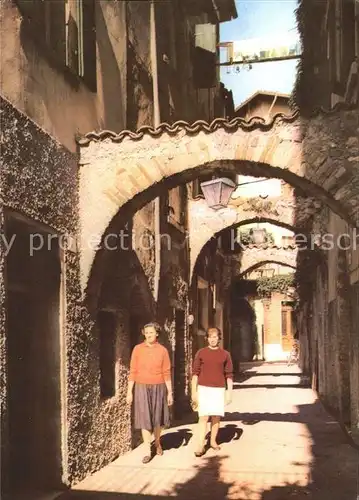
<point x="287" y="327"/>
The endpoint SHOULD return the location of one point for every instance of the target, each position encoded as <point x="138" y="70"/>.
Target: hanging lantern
<point x="217" y="192"/>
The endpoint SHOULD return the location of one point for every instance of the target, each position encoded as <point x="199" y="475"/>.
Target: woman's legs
<point x="157" y="434"/>
<point x="202" y="431"/>
<point x="214" y="431"/>
<point x="147" y="437"/>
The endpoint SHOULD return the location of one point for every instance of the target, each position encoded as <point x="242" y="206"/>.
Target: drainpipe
<point x="156" y="122"/>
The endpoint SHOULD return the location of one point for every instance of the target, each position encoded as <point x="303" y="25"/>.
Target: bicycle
<point x="293" y="357"/>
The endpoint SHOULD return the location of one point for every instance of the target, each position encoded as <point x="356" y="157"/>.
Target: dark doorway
<point x="180" y="363"/>
<point x="136" y="325"/>
<point x="107" y="337"/>
<point x="33" y="330"/>
<point x="244" y="335"/>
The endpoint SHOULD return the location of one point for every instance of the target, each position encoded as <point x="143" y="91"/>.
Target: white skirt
<point x="211" y="401"/>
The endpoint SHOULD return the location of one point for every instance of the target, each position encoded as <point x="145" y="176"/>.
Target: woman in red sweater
<point x="212" y="372"/>
<point x="150" y="374"/>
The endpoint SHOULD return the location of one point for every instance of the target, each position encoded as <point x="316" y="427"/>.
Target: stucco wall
<point x="49" y="94"/>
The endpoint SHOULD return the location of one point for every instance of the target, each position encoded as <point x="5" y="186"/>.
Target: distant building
<point x="264" y="104"/>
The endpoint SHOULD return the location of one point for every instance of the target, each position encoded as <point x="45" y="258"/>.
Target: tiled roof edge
<point x="201" y="125"/>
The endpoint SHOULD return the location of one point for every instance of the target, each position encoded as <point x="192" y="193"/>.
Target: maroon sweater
<point x="213" y="367"/>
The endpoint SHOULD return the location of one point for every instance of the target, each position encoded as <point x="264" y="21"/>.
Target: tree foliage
<point x="246" y="237"/>
<point x="281" y="283"/>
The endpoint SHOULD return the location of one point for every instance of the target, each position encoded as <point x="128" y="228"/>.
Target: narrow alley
<point x="277" y="443"/>
<point x="179" y="214"/>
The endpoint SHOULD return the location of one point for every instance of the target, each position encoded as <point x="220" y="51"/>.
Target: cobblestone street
<point x="277" y="443"/>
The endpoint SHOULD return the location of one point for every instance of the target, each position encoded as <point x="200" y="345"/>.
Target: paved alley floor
<point x="277" y="443"/>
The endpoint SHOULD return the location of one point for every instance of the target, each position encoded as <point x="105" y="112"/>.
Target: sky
<point x="260" y="18"/>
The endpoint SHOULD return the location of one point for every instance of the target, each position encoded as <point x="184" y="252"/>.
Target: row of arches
<point x="118" y="178"/>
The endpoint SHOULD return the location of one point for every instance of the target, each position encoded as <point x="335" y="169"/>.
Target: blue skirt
<point x="151" y="409"/>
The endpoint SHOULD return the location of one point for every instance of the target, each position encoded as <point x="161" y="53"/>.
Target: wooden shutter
<point x="72" y="36"/>
<point x="56" y="27"/>
<point x="348" y="39"/>
<point x="205" y="56"/>
<point x="27" y="8"/>
<point x="89" y="43"/>
<point x="34" y="13"/>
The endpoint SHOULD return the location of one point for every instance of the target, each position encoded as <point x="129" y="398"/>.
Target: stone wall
<point x="32" y="184"/>
<point x="41" y="183"/>
<point x="328" y="323"/>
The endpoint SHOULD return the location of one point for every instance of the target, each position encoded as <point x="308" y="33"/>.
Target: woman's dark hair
<point x="214" y="328"/>
<point x="153" y="324"/>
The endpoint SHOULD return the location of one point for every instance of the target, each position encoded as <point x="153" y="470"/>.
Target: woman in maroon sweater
<point x="212" y="372"/>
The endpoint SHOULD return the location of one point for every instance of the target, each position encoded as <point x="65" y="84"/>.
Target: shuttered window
<point x="47" y="20"/>
<point x="81" y="40"/>
<point x="205" y="56"/>
<point x="66" y="28"/>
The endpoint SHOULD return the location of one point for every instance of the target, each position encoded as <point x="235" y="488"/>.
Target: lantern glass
<point x="217" y="192"/>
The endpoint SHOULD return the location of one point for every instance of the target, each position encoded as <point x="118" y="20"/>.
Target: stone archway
<point x="206" y="223"/>
<point x="256" y="256"/>
<point x="261" y="263"/>
<point x="125" y="171"/>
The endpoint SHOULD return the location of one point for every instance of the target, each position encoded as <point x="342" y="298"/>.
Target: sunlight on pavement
<point x="277" y="441"/>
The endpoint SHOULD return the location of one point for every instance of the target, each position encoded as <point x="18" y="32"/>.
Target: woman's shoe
<point x="200" y="453"/>
<point x="215" y="447"/>
<point x="159" y="450"/>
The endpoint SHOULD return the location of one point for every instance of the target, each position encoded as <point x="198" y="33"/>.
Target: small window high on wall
<point x="107" y="337"/>
<point x="81" y="39"/>
<point x="65" y="32"/>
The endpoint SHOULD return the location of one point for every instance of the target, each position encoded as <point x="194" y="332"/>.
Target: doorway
<point x="287" y="326"/>
<point x="33" y="330"/>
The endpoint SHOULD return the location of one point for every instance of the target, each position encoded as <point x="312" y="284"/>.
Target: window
<point x="107" y="334"/>
<point x="66" y="30"/>
<point x="81" y="39"/>
<point x="341" y="42"/>
<point x="205" y="55"/>
<point x="176" y="208"/>
<point x="47" y="21"/>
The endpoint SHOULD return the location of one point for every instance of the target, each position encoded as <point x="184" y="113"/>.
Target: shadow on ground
<point x="176" y="439"/>
<point x="333" y="471"/>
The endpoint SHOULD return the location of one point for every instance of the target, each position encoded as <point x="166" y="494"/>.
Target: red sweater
<point x="213" y="367"/>
<point x="150" y="364"/>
